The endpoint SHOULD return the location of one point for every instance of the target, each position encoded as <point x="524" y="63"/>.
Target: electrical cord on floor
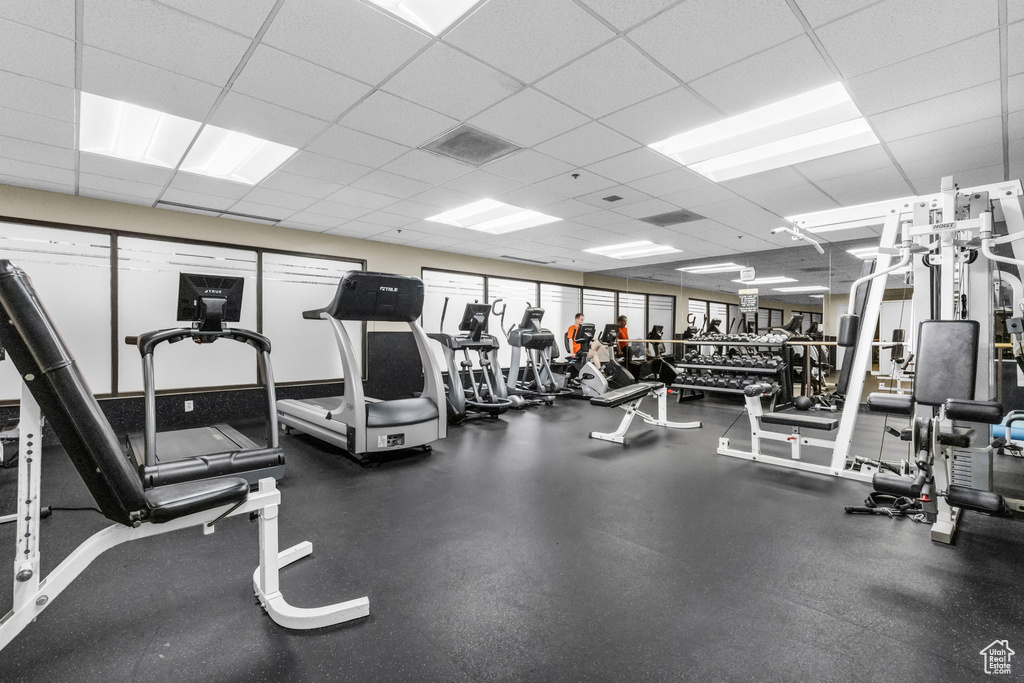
<point x="49" y="510"/>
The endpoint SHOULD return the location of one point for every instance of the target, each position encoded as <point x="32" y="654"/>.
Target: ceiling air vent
<point x="612" y="198"/>
<point x="664" y="220"/>
<point x="470" y="145"/>
<point x="526" y="260"/>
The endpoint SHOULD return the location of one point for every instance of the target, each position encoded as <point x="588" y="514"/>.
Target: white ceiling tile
<point x="31" y="171"/>
<point x="153" y="34"/>
<point x="94" y="193"/>
<point x="586" y="145"/>
<point x="947" y="164"/>
<point x="953" y="140"/>
<point x="895" y="30"/>
<point x="268" y="121"/>
<point x="285" y="200"/>
<point x="770" y="181"/>
<point x="251" y="208"/>
<point x="300" y="185"/>
<point x="325" y="168"/>
<point x="292" y="224"/>
<point x="648" y="207"/>
<point x="939" y="72"/>
<point x="610" y="78"/>
<point x="448" y="81"/>
<point x="393" y="118"/>
<point x="186" y="209"/>
<point x="390" y="184"/>
<point x="358" y="230"/>
<point x="249" y="219"/>
<point x="864" y="159"/>
<point x="37" y="54"/>
<point x="338" y="210"/>
<point x="676" y="180"/>
<point x="1016" y="125"/>
<point x="428" y="167"/>
<point x="628" y="194"/>
<point x="881" y="193"/>
<point x="351" y="145"/>
<point x="528" y="117"/>
<point x="37" y="153"/>
<point x="789" y="69"/>
<point x="347" y="37"/>
<point x="601" y="219"/>
<point x="25" y="126"/>
<point x="120" y="78"/>
<point x="190" y="182"/>
<point x="1014" y="47"/>
<point x="699" y="196"/>
<point x="567" y="186"/>
<point x="242" y="16"/>
<point x="293" y="83"/>
<point x="528" y="166"/>
<point x="717" y="33"/>
<point x="663" y="116"/>
<point x="364" y="198"/>
<point x="528" y="38"/>
<point x="624" y="15"/>
<point x="110" y="167"/>
<point x="197" y="199"/>
<point x="37" y="97"/>
<point x="18" y="181"/>
<point x="866" y="180"/>
<point x="315" y="219"/>
<point x="639" y="163"/>
<point x="819" y="12"/>
<point x="391" y="220"/>
<point x="1015" y="92"/>
<point x="482" y="184"/>
<point x="413" y="209"/>
<point x="53" y="16"/>
<point x="972" y="104"/>
<point x="530" y="198"/>
<point x="440" y="197"/>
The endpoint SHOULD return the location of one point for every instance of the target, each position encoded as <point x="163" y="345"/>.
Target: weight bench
<point x="947" y="364"/>
<point x="795" y="438"/>
<point x="629" y="399"/>
<point x="54" y="387"/>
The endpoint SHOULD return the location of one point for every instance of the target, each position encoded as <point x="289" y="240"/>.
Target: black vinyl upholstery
<point x="894" y="404"/>
<point x="946" y="361"/>
<point x="399" y="412"/>
<point x="631" y="392"/>
<point x="374" y="296"/>
<point x="826" y="424"/>
<point x="988" y="412"/>
<point x="56" y="383"/>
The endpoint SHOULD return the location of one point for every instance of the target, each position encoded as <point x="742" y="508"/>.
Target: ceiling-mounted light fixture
<point x="794" y="290"/>
<point x="631" y="250"/>
<point x="497" y="218"/>
<point x="227" y="154"/>
<point x="767" y="280"/>
<point x="712" y="269"/>
<point x="433" y="16"/>
<point x="133" y="133"/>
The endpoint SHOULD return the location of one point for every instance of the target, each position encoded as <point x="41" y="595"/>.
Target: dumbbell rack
<point x="781" y="374"/>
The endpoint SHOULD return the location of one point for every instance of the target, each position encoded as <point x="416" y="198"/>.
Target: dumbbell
<point x="735" y="383"/>
<point x="722" y="381"/>
<point x="748" y="361"/>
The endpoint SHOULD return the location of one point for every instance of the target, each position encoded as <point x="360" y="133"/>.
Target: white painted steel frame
<point x="632" y="409"/>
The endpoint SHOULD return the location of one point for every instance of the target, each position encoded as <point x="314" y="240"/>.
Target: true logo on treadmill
<point x="389" y="289"/>
<point x="213" y="291"/>
<point x="997" y="656"/>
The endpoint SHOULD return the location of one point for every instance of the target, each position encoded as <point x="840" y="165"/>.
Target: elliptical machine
<point x="582" y="377"/>
<point x="538" y="383"/>
<point x="466" y="397"/>
<point x="618" y="376"/>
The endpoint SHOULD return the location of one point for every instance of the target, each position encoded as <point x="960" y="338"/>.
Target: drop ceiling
<point x="583" y="86"/>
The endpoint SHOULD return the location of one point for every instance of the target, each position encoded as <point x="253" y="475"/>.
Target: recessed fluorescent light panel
<point x="497" y="218"/>
<point x="712" y="268"/>
<point x="864" y="252"/>
<point x="794" y="290"/>
<point x="226" y="154"/>
<point x="127" y="131"/>
<point x="630" y="250"/>
<point x="816" y="296"/>
<point x="767" y="280"/>
<point x="813" y="125"/>
<point x="433" y="16"/>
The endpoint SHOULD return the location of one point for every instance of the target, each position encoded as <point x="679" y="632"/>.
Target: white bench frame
<point x="632" y="409"/>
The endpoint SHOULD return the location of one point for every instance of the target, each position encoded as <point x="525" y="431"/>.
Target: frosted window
<point x="697" y="312"/>
<point x="560" y="304"/>
<point x="634" y="307"/>
<point x="720" y="312"/>
<point x="71" y="272"/>
<point x="516" y="295"/>
<point x="599" y="308"/>
<point x="662" y="310"/>
<point x="459" y="289"/>
<point x="776" y="317"/>
<point x="148" y="298"/>
<point x="304" y="350"/>
<point x="763" y="320"/>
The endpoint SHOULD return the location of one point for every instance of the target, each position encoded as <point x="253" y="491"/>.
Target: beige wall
<point x="24" y="203"/>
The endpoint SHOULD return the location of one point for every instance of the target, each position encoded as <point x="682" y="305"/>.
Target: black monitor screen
<point x="584" y="332"/>
<point x="610" y="334"/>
<point x="471" y="313"/>
<point x="193" y="288"/>
<point x="656" y="332"/>
<point x="531" y="318"/>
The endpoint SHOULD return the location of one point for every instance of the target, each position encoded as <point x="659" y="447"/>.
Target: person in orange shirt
<point x="623" y="334"/>
<point x="571" y="333"/>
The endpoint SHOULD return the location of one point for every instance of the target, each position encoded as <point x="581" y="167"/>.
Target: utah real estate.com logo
<point x="997" y="656"/>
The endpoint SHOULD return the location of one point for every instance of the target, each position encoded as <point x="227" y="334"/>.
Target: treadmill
<point x="360" y="424"/>
<point x="208" y="302"/>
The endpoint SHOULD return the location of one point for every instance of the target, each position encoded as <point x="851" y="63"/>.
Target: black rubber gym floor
<point x="522" y="550"/>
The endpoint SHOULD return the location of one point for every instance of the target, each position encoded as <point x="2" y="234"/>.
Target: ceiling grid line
<point x="79" y="49"/>
<point x="1004" y="88"/>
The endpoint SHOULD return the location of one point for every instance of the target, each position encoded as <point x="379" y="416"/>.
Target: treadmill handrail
<point x="147" y="341"/>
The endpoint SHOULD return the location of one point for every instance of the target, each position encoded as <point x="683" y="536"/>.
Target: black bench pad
<point x="617" y="397"/>
<point x="177" y="500"/>
<point x="826" y="424"/>
<point x="989" y="412"/>
<point x="894" y="404"/>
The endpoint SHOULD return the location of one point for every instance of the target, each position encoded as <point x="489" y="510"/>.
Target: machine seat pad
<point x="402" y="411"/>
<point x="212" y="465"/>
<point x="826" y="424"/>
<point x="178" y="500"/>
<point x="616" y="397"/>
<point x="894" y="404"/>
<point x="989" y="412"/>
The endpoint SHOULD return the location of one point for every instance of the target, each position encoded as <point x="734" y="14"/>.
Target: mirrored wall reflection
<point x="304" y="350"/>
<point x="458" y="289"/>
<point x="148" y="277"/>
<point x="71" y="272"/>
<point x="561" y="303"/>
